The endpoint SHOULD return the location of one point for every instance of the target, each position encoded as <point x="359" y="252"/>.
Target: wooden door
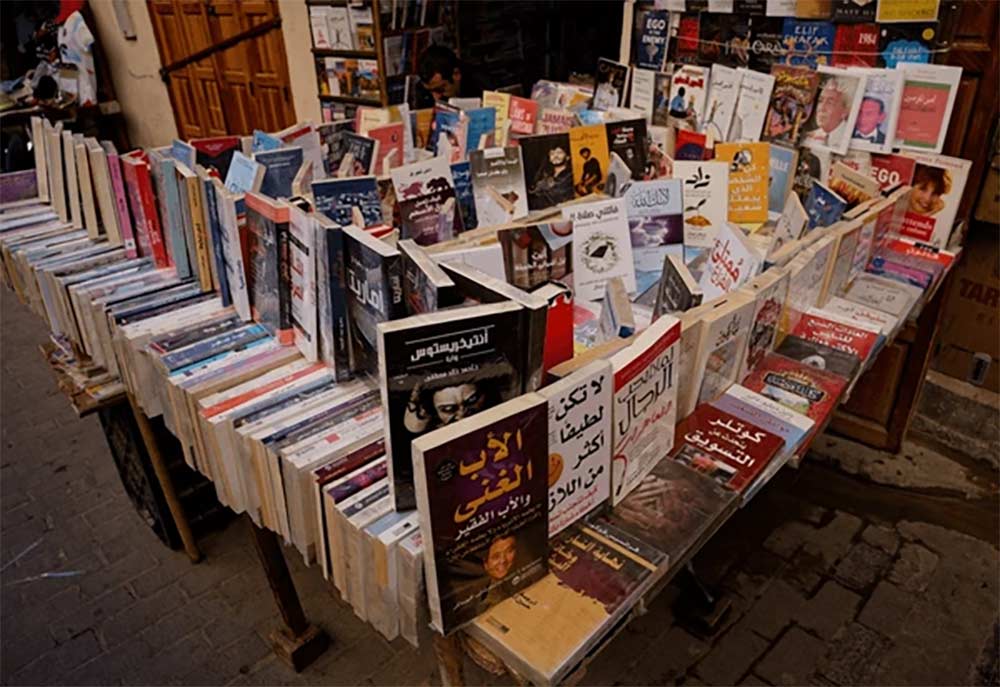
<point x="880" y="408"/>
<point x="234" y="90"/>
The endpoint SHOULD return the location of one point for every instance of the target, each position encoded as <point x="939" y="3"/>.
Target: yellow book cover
<point x="589" y="154"/>
<point x="200" y="232"/>
<point x="501" y="102"/>
<point x="422" y="128"/>
<point x="749" y="169"/>
<point x="907" y="10"/>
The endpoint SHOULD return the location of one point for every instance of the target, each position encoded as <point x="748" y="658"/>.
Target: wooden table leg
<point x="166" y="484"/>
<point x="298" y="643"/>
<point x="449" y="656"/>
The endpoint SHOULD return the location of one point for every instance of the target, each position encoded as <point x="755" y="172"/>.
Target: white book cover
<point x="732" y="261"/>
<point x="770" y="292"/>
<point x="875" y="127"/>
<point x="302" y="259"/>
<point x="602" y="248"/>
<point x="655" y="221"/>
<point x="417" y="179"/>
<point x="579" y="407"/>
<point x="232" y="252"/>
<point x="498" y="185"/>
<point x="929" y="92"/>
<point x="780" y="8"/>
<point x="723" y="344"/>
<point x="723" y="91"/>
<point x="320" y="29"/>
<point x="838" y="100"/>
<point x="706" y="200"/>
<point x="887" y="295"/>
<point x="938" y="185"/>
<point x="643" y="90"/>
<point x="68" y="151"/>
<point x="751" y="106"/>
<point x="339" y="28"/>
<point x="791" y="223"/>
<point x="645" y="405"/>
<point x="807" y="273"/>
<point x="860" y="314"/>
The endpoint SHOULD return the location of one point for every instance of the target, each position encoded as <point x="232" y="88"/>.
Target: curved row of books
<point x="516" y="429"/>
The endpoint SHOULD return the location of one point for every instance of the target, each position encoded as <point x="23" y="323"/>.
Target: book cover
<point x="331" y="279"/>
<point x="120" y="198"/>
<point x="390" y="147"/>
<point x="359" y="155"/>
<point x="375" y="293"/>
<point x="819" y="356"/>
<point x="628" y="139"/>
<point x="439" y="368"/>
<point x="655" y="220"/>
<point x="645" y="401"/>
<point x="907" y="11"/>
<point x="770" y="292"/>
<point x="863" y="315"/>
<point x="732" y="451"/>
<point x="723" y="90"/>
<point x="642" y="92"/>
<point x="651" y="52"/>
<point x="677" y="290"/>
<point x="685" y="48"/>
<point x="183" y="152"/>
<point x="302" y="272"/>
<point x="149" y="236"/>
<point x="690" y="145"/>
<point x="337" y="199"/>
<point x="426" y="288"/>
<point x="461" y="174"/>
<point x="854" y="187"/>
<point x="281" y="166"/>
<point x="823" y="206"/>
<point x="752" y="407"/>
<point x="803" y="388"/>
<point x="731" y="262"/>
<point x="854" y="11"/>
<point x="726" y="325"/>
<point x="590" y="158"/>
<point x="427" y="204"/>
<point x="498" y="185"/>
<point x="268" y="276"/>
<point x="838" y="100"/>
<point x="767" y="43"/>
<point x="555" y="121"/>
<point x="892" y="170"/>
<point x="611" y="79"/>
<point x="875" y="127"/>
<point x="232" y="252"/>
<point x="724" y="37"/>
<point x="855" y="45"/>
<point x="244" y="174"/>
<point x="449" y="133"/>
<point x="548" y="171"/>
<point x="579" y="443"/>
<point x="749" y="167"/>
<point x="481" y="495"/>
<point x="937" y="188"/>
<point x="500" y="102"/>
<point x="835" y="334"/>
<point x="791" y="103"/>
<point x="899" y="43"/>
<point x="782" y="162"/>
<point x="809" y="43"/>
<point x="482" y="127"/>
<point x="535" y="254"/>
<point x="887" y="295"/>
<point x="751" y="106"/>
<point x="706" y="200"/>
<point x="215" y="154"/>
<point x="928" y="97"/>
<point x="602" y="247"/>
<point x="688" y="92"/>
<point x="522" y="115"/>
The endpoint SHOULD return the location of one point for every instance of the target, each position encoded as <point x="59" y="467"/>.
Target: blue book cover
<point x="215" y="230"/>
<point x="450" y="123"/>
<point x="792" y="435"/>
<point x="823" y="206"/>
<point x="243" y="174"/>
<point x="652" y="50"/>
<point x="170" y="213"/>
<point x="262" y="142"/>
<point x="906" y="43"/>
<point x="232" y="340"/>
<point x="463" y="194"/>
<point x="809" y="42"/>
<point x="280" y="166"/>
<point x="336" y="198"/>
<point x="482" y="122"/>
<point x="782" y="169"/>
<point x="183" y="152"/>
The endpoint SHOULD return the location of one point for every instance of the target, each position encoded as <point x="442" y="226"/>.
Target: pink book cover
<point x="390" y="142"/>
<point x="892" y="170"/>
<point x="523" y="113"/>
<point x="121" y="203"/>
<point x="141" y="229"/>
<point x="922" y="113"/>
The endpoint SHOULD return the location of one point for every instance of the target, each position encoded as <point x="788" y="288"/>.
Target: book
<point x="900" y="43"/>
<point x="783" y="162"/>
<point x="838" y="99"/>
<point x="875" y="127"/>
<point x="439" y="368"/>
<point x="338" y="199"/>
<point x="617" y="317"/>
<point x="232" y="252"/>
<point x="731" y="262"/>
<point x="819" y="356"/>
<point x="938" y="185"/>
<point x="752" y="104"/>
<point x="498" y="185"/>
<point x="281" y="166"/>
<point x="863" y="315"/>
<point x="723" y="37"/>
<point x="215" y="154"/>
<point x="426" y="195"/>
<point x="803" y="388"/>
<point x="770" y="291"/>
<point x="809" y="43"/>
<point x="522" y="116"/>
<point x="853" y="186"/>
<point x="579" y="443"/>
<point x="590" y="158"/>
<point x="928" y="97"/>
<point x="850" y="11"/>
<point x="749" y="165"/>
<point x="688" y="92"/>
<point x="390" y="147"/>
<point x="654" y="35"/>
<point x="730" y="450"/>
<point x="833" y="333"/>
<point x="793" y="428"/>
<point x="823" y="206"/>
<point x="611" y="80"/>
<point x="449" y="133"/>
<point x="426" y="288"/>
<point x="597" y="571"/>
<point x="645" y="400"/>
<point x="121" y="199"/>
<point x="149" y="237"/>
<point x="268" y="270"/>
<point x="655" y="220"/>
<point x="183" y="152"/>
<point x="244" y="174"/>
<point x="554" y="121"/>
<point x="461" y="174"/>
<point x="627" y="139"/>
<point x="887" y="295"/>
<point x="360" y="154"/>
<point x="537" y="253"/>
<point x="548" y="170"/>
<point x="706" y="200"/>
<point x="726" y="326"/>
<point x="690" y="145"/>
<point x="331" y="300"/>
<point x="500" y="102"/>
<point x="907" y="11"/>
<point x="602" y="247"/>
<point x="855" y="45"/>
<point x="374" y="280"/>
<point x="677" y="290"/>
<point x="892" y="170"/>
<point x="482" y="127"/>
<point x="723" y="91"/>
<point x="791" y="103"/>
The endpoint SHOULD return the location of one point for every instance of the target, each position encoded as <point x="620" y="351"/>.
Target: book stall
<point x="503" y="372"/>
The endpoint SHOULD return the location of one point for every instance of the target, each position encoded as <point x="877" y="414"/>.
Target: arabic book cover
<point x="803" y="388"/>
<point x="537" y="253"/>
<point x="482" y="490"/>
<point x="374" y="293"/>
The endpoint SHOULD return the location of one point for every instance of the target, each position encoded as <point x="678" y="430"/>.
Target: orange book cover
<point x="749" y="169"/>
<point x="590" y="157"/>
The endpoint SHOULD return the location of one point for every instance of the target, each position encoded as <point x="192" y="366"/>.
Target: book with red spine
<point x="731" y="451"/>
<point x="838" y="335"/>
<point x="805" y="389"/>
<point x="143" y="202"/>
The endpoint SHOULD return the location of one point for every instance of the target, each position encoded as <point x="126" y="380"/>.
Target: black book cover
<point x="767" y="42"/>
<point x="724" y="39"/>
<point x="906" y="43"/>
<point x="854" y="11"/>
<point x="426" y="288"/>
<point x="440" y="368"/>
<point x="548" y="172"/>
<point x="819" y="356"/>
<point x="628" y="139"/>
<point x="374" y="293"/>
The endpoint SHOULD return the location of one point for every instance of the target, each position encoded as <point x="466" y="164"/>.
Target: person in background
<point x="443" y="76"/>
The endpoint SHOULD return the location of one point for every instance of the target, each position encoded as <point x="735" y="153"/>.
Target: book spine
<point x="285" y="329"/>
<point x="338" y="298"/>
<point x="200" y="234"/>
<point x="156" y="244"/>
<point x="534" y="356"/>
<point x="143" y="246"/>
<point x="215" y="237"/>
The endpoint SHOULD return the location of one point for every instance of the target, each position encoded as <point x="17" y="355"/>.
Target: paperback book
<point x="791" y="103"/>
<point x="800" y="387"/>
<point x="656" y="222"/>
<point x="373" y="273"/>
<point x="590" y="158"/>
<point x="819" y="356"/>
<point x="838" y="100"/>
<point x="338" y="199"/>
<point x="749" y="170"/>
<point x="548" y="170"/>
<point x="427" y="205"/>
<point x="706" y="201"/>
<point x="602" y="247"/>
<point x="498" y="185"/>
<point x="535" y="254"/>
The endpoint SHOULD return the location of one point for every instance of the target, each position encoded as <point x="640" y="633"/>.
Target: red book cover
<point x="731" y="451"/>
<point x="143" y="194"/>
<point x="690" y="145"/>
<point x="804" y="389"/>
<point x="129" y="165"/>
<point x="892" y="170"/>
<point x="922" y="251"/>
<point x="687" y="38"/>
<point x="558" y="330"/>
<point x="215" y="154"/>
<point x="855" y="45"/>
<point x="523" y="113"/>
<point x="843" y="337"/>
<point x="390" y="146"/>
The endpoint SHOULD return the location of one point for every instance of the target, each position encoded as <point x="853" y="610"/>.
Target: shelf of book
<point x="350" y="99"/>
<point x="334" y="52"/>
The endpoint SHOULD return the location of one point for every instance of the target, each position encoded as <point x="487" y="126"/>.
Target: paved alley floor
<point x="833" y="579"/>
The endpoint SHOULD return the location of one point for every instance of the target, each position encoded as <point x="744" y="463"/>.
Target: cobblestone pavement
<point x="832" y="580"/>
